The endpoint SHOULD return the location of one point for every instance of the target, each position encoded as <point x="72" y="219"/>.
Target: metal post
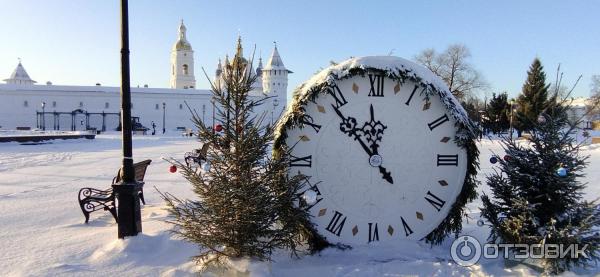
<point x="213" y="116"/>
<point x="127" y="192"/>
<point x="164" y="112"/>
<point x="44" y="116"/>
<point x="512" y="101"/>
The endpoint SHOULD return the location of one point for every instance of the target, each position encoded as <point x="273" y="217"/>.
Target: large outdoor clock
<point x="377" y="142"/>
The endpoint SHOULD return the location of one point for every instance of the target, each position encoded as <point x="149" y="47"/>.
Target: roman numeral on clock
<point x="438" y="122"/>
<point x="411" y="95"/>
<point x="301" y="161"/>
<point x="376" y="85"/>
<point x="339" y="98"/>
<point x="445" y="160"/>
<point x="373" y="232"/>
<point x="335" y="225"/>
<point x="308" y="120"/>
<point x="407" y="230"/>
<point x="435" y="201"/>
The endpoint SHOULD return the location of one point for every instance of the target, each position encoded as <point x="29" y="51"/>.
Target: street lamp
<point x="129" y="220"/>
<point x="44" y="116"/>
<point x="203" y="113"/>
<point x="164" y="107"/>
<point x="212" y="100"/>
<point x="512" y="102"/>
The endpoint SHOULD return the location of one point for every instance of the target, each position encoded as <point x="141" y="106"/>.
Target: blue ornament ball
<point x="561" y="171"/>
<point x="493" y="160"/>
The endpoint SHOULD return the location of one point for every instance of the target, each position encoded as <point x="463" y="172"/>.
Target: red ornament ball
<point x="219" y="128"/>
<point x="507" y="158"/>
<point x="173" y="169"/>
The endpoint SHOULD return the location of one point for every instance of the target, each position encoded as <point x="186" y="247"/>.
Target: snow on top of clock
<point x="394" y="67"/>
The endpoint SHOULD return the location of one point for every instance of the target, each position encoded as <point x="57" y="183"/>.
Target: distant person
<point x="153" y="128"/>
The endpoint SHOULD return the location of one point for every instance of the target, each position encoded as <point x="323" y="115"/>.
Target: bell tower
<point x="275" y="80"/>
<point x="182" y="62"/>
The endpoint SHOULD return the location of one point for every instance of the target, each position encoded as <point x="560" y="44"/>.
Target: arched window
<point x="80" y="104"/>
<point x="53" y="104"/>
<point x="185" y="69"/>
<point x="25" y="104"/>
<point x="172" y="70"/>
<point x="181" y="106"/>
<point x="106" y="105"/>
<point x="156" y="107"/>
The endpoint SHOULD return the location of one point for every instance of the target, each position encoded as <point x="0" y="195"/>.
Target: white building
<point x="84" y="107"/>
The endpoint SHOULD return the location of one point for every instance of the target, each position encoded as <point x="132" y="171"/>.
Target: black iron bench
<point x="91" y="199"/>
<point x="197" y="156"/>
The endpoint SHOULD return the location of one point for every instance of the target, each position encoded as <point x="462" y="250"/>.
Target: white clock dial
<point x="382" y="160"/>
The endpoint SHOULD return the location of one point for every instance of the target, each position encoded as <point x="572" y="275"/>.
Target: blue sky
<point x="77" y="42"/>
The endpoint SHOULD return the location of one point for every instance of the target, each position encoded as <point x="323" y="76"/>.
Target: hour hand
<point x="348" y="127"/>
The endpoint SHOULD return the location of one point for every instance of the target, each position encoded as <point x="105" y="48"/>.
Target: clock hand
<point x="386" y="174"/>
<point x="348" y="126"/>
<point x="373" y="131"/>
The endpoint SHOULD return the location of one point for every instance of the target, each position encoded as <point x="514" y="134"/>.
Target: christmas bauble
<point x="507" y="158"/>
<point x="493" y="160"/>
<point x="541" y="119"/>
<point x="310" y="196"/>
<point x="561" y="171"/>
<point x="173" y="169"/>
<point x="219" y="128"/>
<point x="206" y="167"/>
<point x="480" y="222"/>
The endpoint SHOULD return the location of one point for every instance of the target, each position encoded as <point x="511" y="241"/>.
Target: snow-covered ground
<point x="42" y="231"/>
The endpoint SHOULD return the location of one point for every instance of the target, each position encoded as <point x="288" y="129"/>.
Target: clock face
<point x="380" y="159"/>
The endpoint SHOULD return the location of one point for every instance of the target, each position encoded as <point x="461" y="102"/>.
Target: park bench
<point x="91" y="199"/>
<point x="197" y="156"/>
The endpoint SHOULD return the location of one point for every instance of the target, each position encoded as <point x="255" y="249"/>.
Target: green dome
<point x="182" y="45"/>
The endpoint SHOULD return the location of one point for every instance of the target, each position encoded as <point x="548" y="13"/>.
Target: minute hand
<point x="350" y="129"/>
<point x="348" y="126"/>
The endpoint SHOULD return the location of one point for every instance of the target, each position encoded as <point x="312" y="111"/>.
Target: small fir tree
<point x="497" y="113"/>
<point x="533" y="99"/>
<point x="246" y="205"/>
<point x="531" y="203"/>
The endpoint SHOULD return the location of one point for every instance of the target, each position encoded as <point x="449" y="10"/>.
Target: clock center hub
<point x="375" y="160"/>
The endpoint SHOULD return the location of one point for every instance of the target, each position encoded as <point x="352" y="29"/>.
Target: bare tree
<point x="453" y="67"/>
<point x="593" y="106"/>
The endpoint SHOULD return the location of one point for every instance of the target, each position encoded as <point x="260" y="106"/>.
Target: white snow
<point x="42" y="231"/>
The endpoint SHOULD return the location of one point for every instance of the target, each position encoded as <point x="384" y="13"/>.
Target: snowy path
<point x="42" y="231"/>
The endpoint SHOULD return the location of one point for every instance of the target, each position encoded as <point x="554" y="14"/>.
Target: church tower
<point x="182" y="62"/>
<point x="275" y="79"/>
<point x="19" y="76"/>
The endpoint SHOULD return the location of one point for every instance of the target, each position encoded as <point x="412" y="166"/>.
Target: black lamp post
<point x="44" y="116"/>
<point x="164" y="107"/>
<point x="213" y="116"/>
<point x="129" y="218"/>
<point x="512" y="102"/>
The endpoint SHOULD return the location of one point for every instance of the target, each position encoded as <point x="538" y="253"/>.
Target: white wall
<point x="13" y="112"/>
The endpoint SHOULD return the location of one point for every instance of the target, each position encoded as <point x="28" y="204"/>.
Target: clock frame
<point x="385" y="88"/>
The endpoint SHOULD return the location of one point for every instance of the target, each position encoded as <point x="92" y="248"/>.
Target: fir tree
<point x="245" y="204"/>
<point x="534" y="97"/>
<point x="532" y="204"/>
<point x="497" y="113"/>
